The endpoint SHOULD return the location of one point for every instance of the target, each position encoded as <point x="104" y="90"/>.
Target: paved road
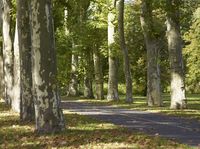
<point x="184" y="130"/>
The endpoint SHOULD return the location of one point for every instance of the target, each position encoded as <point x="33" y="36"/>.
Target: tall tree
<point x="78" y="15"/>
<point x="15" y="105"/>
<point x="127" y="71"/>
<point x="73" y="86"/>
<point x="112" y="60"/>
<point x="7" y="52"/>
<point x="88" y="78"/>
<point x="49" y="116"/>
<point x="153" y="48"/>
<point x="175" y="45"/>
<point x="99" y="93"/>
<point x="2" y="88"/>
<point x="24" y="36"/>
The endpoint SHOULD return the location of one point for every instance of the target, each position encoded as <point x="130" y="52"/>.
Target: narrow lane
<point x="184" y="130"/>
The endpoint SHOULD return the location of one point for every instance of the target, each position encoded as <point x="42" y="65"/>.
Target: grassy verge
<point x="193" y="110"/>
<point x="81" y="132"/>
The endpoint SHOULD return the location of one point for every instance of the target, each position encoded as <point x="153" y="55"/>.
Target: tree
<point x="2" y="87"/>
<point x="124" y="49"/>
<point x="191" y="53"/>
<point x="49" y="116"/>
<point x="88" y="76"/>
<point x="153" y="49"/>
<point x="99" y="93"/>
<point x="73" y="86"/>
<point x="175" y="45"/>
<point x="15" y="105"/>
<point x="24" y="36"/>
<point x="7" y="52"/>
<point x="112" y="60"/>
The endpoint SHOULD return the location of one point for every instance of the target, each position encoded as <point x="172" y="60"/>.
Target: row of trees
<point x="30" y="71"/>
<point x="89" y="36"/>
<point x="98" y="28"/>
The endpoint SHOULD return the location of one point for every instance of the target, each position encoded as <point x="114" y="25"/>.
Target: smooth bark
<point x="2" y="87"/>
<point x="112" y="60"/>
<point x="7" y="52"/>
<point x="26" y="96"/>
<point x="153" y="48"/>
<point x="178" y="98"/>
<point x="48" y="114"/>
<point x="15" y="105"/>
<point x="127" y="71"/>
<point x="73" y="86"/>
<point x="99" y="93"/>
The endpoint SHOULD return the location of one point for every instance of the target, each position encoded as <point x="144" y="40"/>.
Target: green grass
<point x="193" y="110"/>
<point x="81" y="132"/>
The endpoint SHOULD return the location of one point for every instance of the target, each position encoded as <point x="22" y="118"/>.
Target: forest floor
<point x="81" y="132"/>
<point x="173" y="127"/>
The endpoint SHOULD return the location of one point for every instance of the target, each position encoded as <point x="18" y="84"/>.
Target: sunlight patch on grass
<point x="193" y="110"/>
<point x="81" y="132"/>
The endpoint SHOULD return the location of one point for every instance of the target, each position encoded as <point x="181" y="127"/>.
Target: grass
<point x="81" y="132"/>
<point x="192" y="112"/>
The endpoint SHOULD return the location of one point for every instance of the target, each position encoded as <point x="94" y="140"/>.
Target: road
<point x="184" y="130"/>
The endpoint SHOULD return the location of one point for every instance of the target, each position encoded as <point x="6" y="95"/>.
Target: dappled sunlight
<point x="91" y="127"/>
<point x="193" y="110"/>
<point x="114" y="145"/>
<point x="81" y="132"/>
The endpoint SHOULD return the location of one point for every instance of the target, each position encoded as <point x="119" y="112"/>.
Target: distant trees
<point x="191" y="53"/>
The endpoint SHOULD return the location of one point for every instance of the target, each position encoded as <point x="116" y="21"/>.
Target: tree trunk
<point x="73" y="86"/>
<point x="2" y="87"/>
<point x="112" y="60"/>
<point x="16" y="74"/>
<point x="152" y="46"/>
<point x="7" y="52"/>
<point x="99" y="93"/>
<point x="178" y="99"/>
<point x="49" y="116"/>
<point x="127" y="71"/>
<point x="88" y="90"/>
<point x="26" y="98"/>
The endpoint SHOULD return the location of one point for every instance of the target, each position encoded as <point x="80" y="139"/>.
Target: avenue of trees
<point x="97" y="49"/>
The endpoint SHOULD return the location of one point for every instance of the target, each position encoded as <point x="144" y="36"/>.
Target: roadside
<point x="192" y="112"/>
<point x="184" y="130"/>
